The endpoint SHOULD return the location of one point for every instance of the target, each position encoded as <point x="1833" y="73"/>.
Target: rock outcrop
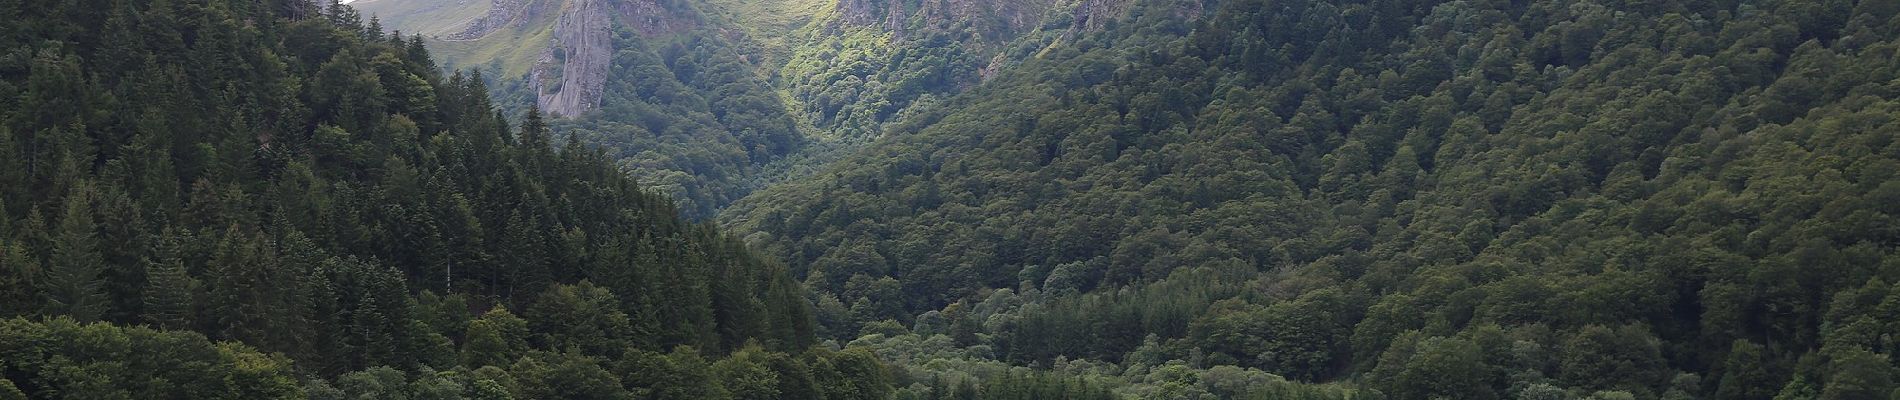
<point x="583" y="49"/>
<point x="581" y="52"/>
<point x="502" y="13"/>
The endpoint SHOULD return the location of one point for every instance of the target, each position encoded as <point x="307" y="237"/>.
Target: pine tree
<point x="373" y="31"/>
<point x="526" y="252"/>
<point x="343" y="16"/>
<point x="242" y="302"/>
<point x="417" y="57"/>
<point x="789" y="315"/>
<point x="535" y="146"/>
<point x="170" y="294"/>
<point x="465" y="241"/>
<point x="73" y="286"/>
<point x="370" y="332"/>
<point x="12" y="176"/>
<point x="19" y="273"/>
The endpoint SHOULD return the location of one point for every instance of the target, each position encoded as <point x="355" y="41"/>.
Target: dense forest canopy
<point x="688" y="117"/>
<point x="243" y="199"/>
<point x="1462" y="199"/>
<point x="1102" y="199"/>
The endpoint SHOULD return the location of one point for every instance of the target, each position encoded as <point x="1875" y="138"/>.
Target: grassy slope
<point x="511" y="51"/>
<point x="426" y="17"/>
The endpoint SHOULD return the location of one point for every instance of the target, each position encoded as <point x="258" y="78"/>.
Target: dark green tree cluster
<point x="1471" y="199"/>
<point x="278" y="174"/>
<point x="64" y="359"/>
<point x="1029" y="386"/>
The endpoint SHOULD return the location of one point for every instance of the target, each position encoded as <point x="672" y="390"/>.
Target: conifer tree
<point x="170" y="294"/>
<point x="73" y="286"/>
<point x="19" y="273"/>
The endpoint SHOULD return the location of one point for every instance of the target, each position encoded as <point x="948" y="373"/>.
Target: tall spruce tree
<point x="73" y="286"/>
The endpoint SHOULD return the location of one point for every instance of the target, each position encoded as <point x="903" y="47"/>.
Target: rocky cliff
<point x="569" y="76"/>
<point x="571" y="43"/>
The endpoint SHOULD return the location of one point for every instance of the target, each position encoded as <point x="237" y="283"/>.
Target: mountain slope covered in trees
<point x="242" y="199"/>
<point x="1175" y="199"/>
<point x="710" y="100"/>
<point x="665" y="93"/>
<point x="1463" y="199"/>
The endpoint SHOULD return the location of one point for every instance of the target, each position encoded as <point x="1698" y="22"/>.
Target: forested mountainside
<point x="957" y="199"/>
<point x="244" y="199"/>
<point x="1433" y="199"/>
<point x="710" y="100"/>
<point x="666" y="94"/>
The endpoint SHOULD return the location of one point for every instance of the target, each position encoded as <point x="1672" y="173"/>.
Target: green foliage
<point x="1449" y="199"/>
<point x="1859" y="374"/>
<point x="497" y="338"/>
<point x="280" y="188"/>
<point x="1471" y="199"/>
<point x="687" y="117"/>
<point x="852" y="374"/>
<point x="73" y="285"/>
<point x="64" y="359"/>
<point x="580" y="318"/>
<point x="681" y="374"/>
<point x="746" y="375"/>
<point x="565" y="376"/>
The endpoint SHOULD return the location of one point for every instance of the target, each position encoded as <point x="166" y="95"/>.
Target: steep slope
<point x="861" y="64"/>
<point x="427" y="18"/>
<point x="695" y="127"/>
<point x="562" y="47"/>
<point x="296" y="206"/>
<point x="810" y="80"/>
<point x="1470" y="199"/>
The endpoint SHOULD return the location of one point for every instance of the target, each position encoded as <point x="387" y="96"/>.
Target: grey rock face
<point x="583" y="50"/>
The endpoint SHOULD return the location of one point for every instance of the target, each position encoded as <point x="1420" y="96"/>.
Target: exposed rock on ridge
<point x="502" y="14"/>
<point x="583" y="50"/>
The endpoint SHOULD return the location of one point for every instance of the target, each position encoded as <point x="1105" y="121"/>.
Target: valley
<point x="950" y="199"/>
